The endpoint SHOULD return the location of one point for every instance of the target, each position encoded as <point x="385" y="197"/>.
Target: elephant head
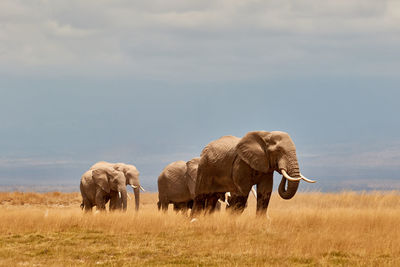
<point x="132" y="179"/>
<point x="110" y="179"/>
<point x="273" y="151"/>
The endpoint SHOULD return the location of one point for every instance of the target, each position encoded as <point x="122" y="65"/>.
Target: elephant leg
<point x="198" y="205"/>
<point x="164" y="206"/>
<point x="211" y="203"/>
<point x="180" y="207"/>
<point x="237" y="204"/>
<point x="243" y="177"/>
<point x="264" y="190"/>
<point x="177" y="207"/>
<point x="114" y="201"/>
<point x="87" y="205"/>
<point x="190" y="204"/>
<point x="185" y="206"/>
<point x="107" y="197"/>
<point x="100" y="200"/>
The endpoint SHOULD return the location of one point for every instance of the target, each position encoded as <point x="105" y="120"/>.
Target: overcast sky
<point x="150" y="82"/>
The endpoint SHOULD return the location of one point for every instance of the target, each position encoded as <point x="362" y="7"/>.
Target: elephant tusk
<point x="306" y="179"/>
<point x="134" y="186"/>
<point x="142" y="188"/>
<point x="128" y="196"/>
<point x="254" y="192"/>
<point x="288" y="177"/>
<point x="119" y="194"/>
<point x="220" y="201"/>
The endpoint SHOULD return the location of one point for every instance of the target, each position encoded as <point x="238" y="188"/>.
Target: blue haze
<point x="52" y="135"/>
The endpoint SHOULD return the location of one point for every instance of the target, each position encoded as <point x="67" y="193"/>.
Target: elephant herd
<point x="105" y="182"/>
<point x="226" y="171"/>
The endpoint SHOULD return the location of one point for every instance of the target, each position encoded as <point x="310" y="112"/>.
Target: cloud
<point x="66" y="31"/>
<point x="213" y="39"/>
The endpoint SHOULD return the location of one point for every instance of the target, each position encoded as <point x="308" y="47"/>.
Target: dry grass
<point x="30" y="198"/>
<point x="311" y="229"/>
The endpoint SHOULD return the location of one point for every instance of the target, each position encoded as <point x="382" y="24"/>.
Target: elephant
<point x="132" y="178"/>
<point x="176" y="185"/>
<point x="232" y="164"/>
<point x="100" y="185"/>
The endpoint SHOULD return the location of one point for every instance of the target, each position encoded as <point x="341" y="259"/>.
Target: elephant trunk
<point x="291" y="165"/>
<point x="136" y="191"/>
<point x="290" y="191"/>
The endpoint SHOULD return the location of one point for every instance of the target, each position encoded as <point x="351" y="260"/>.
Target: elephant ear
<point x="252" y="148"/>
<point x="100" y="177"/>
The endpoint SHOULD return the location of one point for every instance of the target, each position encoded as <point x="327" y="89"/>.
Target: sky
<point x="152" y="82"/>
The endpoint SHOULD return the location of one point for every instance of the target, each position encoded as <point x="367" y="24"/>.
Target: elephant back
<point x="101" y="164"/>
<point x="171" y="183"/>
<point x="215" y="167"/>
<point x="217" y="150"/>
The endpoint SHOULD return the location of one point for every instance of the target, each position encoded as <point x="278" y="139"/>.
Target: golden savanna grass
<point x="352" y="229"/>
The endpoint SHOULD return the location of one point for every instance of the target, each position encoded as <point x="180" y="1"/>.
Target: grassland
<point x="350" y="229"/>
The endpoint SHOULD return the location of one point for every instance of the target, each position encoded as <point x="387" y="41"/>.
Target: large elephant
<point x="131" y="178"/>
<point x="176" y="185"/>
<point x="100" y="185"/>
<point x="232" y="164"/>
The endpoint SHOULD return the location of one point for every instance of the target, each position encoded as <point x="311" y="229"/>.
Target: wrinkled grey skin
<point x="131" y="178"/>
<point x="99" y="185"/>
<point x="232" y="164"/>
<point x="176" y="185"/>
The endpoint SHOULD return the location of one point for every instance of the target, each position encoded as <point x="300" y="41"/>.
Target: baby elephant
<point x="176" y="185"/>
